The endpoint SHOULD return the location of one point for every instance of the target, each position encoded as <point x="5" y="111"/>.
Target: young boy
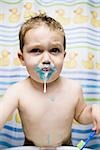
<point x="47" y="102"/>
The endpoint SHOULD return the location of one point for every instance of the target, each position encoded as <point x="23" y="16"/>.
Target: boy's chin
<point x="48" y="81"/>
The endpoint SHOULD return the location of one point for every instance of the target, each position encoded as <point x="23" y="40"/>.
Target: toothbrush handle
<point x="89" y="138"/>
<point x="92" y="134"/>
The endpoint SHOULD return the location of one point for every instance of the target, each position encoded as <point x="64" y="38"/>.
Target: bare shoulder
<point x="16" y="88"/>
<point x="71" y="90"/>
<point x="73" y="84"/>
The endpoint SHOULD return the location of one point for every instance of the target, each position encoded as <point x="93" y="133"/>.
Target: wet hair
<point x="35" y="22"/>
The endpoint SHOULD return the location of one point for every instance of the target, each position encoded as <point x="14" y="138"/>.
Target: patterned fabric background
<point x="81" y="21"/>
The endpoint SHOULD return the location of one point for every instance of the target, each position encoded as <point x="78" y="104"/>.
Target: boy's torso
<point x="47" y="118"/>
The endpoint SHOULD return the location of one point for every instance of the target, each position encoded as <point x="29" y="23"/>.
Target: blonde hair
<point x="36" y="21"/>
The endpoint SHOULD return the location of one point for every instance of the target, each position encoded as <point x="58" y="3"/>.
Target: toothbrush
<point x="82" y="144"/>
<point x="45" y="84"/>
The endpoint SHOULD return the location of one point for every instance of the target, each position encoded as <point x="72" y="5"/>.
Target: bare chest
<point x="49" y="117"/>
<point x="47" y="108"/>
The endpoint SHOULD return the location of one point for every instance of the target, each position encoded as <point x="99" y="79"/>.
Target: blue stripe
<point x="82" y="38"/>
<point x="6" y="144"/>
<point x="95" y="2"/>
<point x="44" y="4"/>
<point x="11" y="137"/>
<point x="13" y="129"/>
<point x="90" y="86"/>
<point x="3" y="89"/>
<point x="81" y="72"/>
<point x="8" y="83"/>
<point x="8" y="36"/>
<point x="70" y="29"/>
<point x="13" y="76"/>
<point x="82" y="42"/>
<point x="10" y="40"/>
<point x="78" y="139"/>
<point x="68" y="1"/>
<point x="93" y="93"/>
<point x="94" y="146"/>
<point x="97" y="80"/>
<point x="13" y="69"/>
<point x="86" y="32"/>
<point x="10" y="27"/>
<point x="82" y="130"/>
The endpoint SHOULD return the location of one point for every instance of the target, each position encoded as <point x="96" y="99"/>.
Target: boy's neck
<point x="39" y="86"/>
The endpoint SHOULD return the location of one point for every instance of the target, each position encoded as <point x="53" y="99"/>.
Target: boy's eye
<point x="55" y="51"/>
<point x="36" y="51"/>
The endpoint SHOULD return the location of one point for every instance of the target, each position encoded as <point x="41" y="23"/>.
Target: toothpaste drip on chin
<point x="45" y="74"/>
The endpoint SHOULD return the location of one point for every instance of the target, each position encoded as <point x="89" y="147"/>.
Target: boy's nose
<point x="47" y="62"/>
<point x="46" y="59"/>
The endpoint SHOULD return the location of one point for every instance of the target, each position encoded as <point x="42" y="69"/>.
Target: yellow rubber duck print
<point x="42" y="12"/>
<point x="71" y="62"/>
<point x="89" y="64"/>
<point x="14" y="16"/>
<point x="28" y="11"/>
<point x="16" y="61"/>
<point x="79" y="18"/>
<point x="1" y="17"/>
<point x="61" y="17"/>
<point x="10" y="118"/>
<point x="94" y="21"/>
<point x="97" y="65"/>
<point x="4" y="58"/>
<point x="17" y="118"/>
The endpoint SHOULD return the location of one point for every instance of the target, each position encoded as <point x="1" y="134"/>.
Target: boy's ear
<point x="64" y="54"/>
<point x="20" y="56"/>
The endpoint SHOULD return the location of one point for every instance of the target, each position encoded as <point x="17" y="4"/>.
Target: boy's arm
<point x="83" y="111"/>
<point x="96" y="117"/>
<point x="8" y="104"/>
<point x="86" y="113"/>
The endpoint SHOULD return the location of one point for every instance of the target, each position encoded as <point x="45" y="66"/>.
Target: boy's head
<point x="37" y="21"/>
<point x="42" y="44"/>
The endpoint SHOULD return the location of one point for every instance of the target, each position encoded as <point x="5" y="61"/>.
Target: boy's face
<point x="43" y="48"/>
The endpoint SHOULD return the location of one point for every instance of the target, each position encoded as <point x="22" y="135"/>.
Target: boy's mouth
<point x="45" y="72"/>
<point x="46" y="69"/>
